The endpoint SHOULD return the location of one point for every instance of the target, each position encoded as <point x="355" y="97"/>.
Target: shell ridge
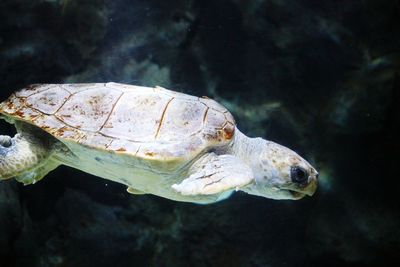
<point x="111" y="111"/>
<point x="162" y="117"/>
<point x="73" y="93"/>
<point x="205" y="115"/>
<point x="33" y="93"/>
<point x="26" y="105"/>
<point x="65" y="101"/>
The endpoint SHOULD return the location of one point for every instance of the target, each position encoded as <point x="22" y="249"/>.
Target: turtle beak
<point x="312" y="185"/>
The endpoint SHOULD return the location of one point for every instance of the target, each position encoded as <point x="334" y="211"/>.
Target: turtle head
<point x="281" y="173"/>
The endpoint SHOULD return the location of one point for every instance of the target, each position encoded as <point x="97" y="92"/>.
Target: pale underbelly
<point x="133" y="172"/>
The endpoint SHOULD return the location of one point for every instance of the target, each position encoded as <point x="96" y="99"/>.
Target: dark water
<point x="321" y="77"/>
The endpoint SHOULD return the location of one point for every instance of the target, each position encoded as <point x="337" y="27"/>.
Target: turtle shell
<point x="152" y="123"/>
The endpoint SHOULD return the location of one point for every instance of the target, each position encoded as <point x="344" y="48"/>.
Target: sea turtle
<point x="154" y="140"/>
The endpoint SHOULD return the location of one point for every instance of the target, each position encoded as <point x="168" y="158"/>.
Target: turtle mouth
<point x="298" y="193"/>
<point x="295" y="194"/>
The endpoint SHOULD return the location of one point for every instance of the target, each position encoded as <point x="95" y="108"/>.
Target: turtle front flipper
<point x="215" y="174"/>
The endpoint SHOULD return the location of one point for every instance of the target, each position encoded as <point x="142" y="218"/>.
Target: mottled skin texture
<point x="153" y="140"/>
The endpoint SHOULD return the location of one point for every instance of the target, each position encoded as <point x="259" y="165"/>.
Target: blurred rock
<point x="11" y="213"/>
<point x="361" y="105"/>
<point x="356" y="232"/>
<point x="45" y="40"/>
<point x="104" y="234"/>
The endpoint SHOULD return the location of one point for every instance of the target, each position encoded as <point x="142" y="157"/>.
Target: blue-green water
<point x="319" y="77"/>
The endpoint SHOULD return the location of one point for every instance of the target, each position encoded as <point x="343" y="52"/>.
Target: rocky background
<point x="322" y="77"/>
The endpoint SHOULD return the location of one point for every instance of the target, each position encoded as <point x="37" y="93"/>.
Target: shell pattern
<point x="151" y="123"/>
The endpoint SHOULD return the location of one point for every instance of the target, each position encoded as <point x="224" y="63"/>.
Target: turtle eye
<point x="298" y="175"/>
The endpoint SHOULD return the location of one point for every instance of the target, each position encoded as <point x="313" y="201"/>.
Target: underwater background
<point x="321" y="77"/>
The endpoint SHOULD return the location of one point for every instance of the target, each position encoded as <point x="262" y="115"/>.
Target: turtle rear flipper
<point x="134" y="191"/>
<point x="31" y="177"/>
<point x="22" y="154"/>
